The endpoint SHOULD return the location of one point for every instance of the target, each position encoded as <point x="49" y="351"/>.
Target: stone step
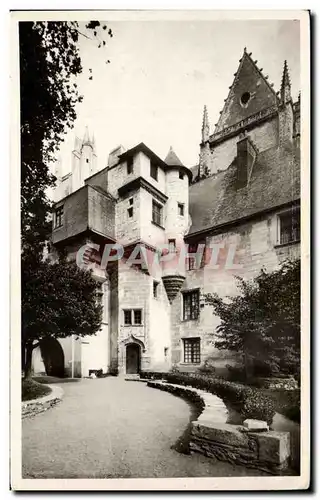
<point x="134" y="377"/>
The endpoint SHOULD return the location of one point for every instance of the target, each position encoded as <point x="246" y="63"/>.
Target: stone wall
<point x="264" y="136"/>
<point x="268" y="451"/>
<point x="35" y="406"/>
<point x="255" y="245"/>
<point x="135" y="291"/>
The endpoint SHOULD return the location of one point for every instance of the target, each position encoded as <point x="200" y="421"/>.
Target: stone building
<point x="240" y="205"/>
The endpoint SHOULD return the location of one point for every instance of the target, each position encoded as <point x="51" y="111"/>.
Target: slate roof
<point x="275" y="181"/>
<point x="164" y="164"/>
<point x="171" y="159"/>
<point x="248" y="78"/>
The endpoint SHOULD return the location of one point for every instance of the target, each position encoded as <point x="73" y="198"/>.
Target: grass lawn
<point x="47" y="379"/>
<point x="33" y="390"/>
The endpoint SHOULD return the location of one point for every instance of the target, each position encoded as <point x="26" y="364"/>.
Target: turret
<point x="285" y="91"/>
<point x="177" y="219"/>
<point x="204" y="157"/>
<point x="205" y="125"/>
<point x="285" y="108"/>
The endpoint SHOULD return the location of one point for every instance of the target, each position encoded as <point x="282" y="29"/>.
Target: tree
<point x="49" y="64"/>
<point x="60" y="300"/>
<point x="263" y="322"/>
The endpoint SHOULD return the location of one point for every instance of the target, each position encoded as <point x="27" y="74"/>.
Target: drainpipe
<point x="72" y="356"/>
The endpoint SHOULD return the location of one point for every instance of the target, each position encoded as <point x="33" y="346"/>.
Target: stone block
<point x="274" y="447"/>
<point x="219" y="433"/>
<point x="255" y="425"/>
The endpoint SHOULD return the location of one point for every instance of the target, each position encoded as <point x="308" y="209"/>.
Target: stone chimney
<point x="246" y="157"/>
<point x="114" y="155"/>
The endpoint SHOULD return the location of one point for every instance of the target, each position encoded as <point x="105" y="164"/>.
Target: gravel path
<point x="110" y="428"/>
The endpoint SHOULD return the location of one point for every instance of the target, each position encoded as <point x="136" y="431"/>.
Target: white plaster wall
<point x="63" y="188"/>
<point x="150" y="233"/>
<point x="144" y="162"/>
<point x="177" y="191"/>
<point x="95" y="352"/>
<point x="37" y="362"/>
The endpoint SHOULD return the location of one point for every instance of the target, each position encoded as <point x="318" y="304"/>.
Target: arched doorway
<point x="53" y="357"/>
<point x="133" y="358"/>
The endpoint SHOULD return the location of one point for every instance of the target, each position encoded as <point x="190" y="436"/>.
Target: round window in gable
<point x="244" y="99"/>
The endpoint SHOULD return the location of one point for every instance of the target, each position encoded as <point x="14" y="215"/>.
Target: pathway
<point x="110" y="428"/>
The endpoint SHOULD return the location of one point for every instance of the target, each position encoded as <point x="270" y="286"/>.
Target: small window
<point x="130" y="166"/>
<point x="289" y="227"/>
<point x="87" y="160"/>
<point x="154" y="171"/>
<point x="130" y="201"/>
<point x="192" y="262"/>
<point x="58" y="217"/>
<point x="180" y="208"/>
<point x="130" y="212"/>
<point x="155" y="289"/>
<point x="132" y="316"/>
<point x="191" y="350"/>
<point x="156" y="213"/>
<point x="181" y="176"/>
<point x="127" y="317"/>
<point x="137" y="313"/>
<point x="172" y="246"/>
<point x="191" y="305"/>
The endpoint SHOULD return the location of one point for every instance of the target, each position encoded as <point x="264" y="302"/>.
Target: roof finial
<point x="285" y="90"/>
<point x="205" y="125"/>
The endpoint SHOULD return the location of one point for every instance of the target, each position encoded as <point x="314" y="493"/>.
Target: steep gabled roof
<point x="249" y="81"/>
<point x="275" y="181"/>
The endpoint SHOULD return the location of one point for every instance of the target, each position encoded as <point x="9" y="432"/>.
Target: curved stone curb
<point x="211" y="436"/>
<point x="39" y="405"/>
<point x="214" y="409"/>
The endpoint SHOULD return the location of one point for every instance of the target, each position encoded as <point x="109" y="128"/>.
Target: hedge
<point x="248" y="401"/>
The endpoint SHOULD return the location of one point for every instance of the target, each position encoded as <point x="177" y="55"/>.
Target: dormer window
<point x="154" y="171"/>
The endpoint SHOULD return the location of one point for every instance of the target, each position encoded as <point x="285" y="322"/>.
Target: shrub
<point x="258" y="405"/>
<point x="207" y="367"/>
<point x="249" y="401"/>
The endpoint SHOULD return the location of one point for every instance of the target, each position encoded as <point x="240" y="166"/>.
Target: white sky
<point x="162" y="73"/>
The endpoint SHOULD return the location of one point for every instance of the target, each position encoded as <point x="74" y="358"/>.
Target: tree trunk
<point x="28" y="360"/>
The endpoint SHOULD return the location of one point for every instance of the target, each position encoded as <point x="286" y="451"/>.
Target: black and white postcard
<point x="160" y="250"/>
